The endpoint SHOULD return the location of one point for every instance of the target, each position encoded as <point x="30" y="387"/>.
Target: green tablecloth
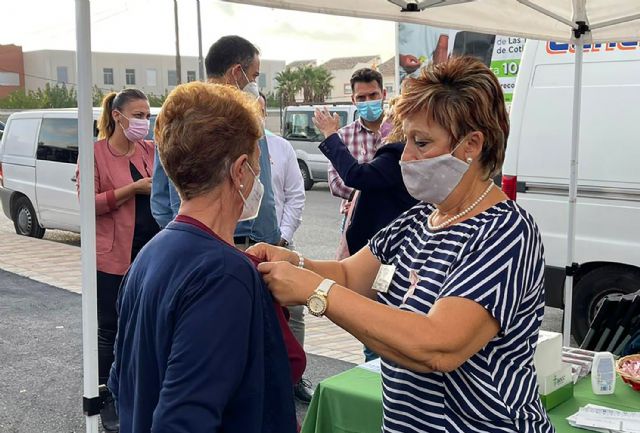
<point x="351" y="402"/>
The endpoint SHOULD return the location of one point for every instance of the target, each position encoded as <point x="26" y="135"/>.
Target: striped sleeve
<point x="496" y="269"/>
<point x="384" y="244"/>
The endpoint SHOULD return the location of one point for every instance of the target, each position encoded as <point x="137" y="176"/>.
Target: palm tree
<point x="322" y="85"/>
<point x="307" y="77"/>
<point x="288" y="85"/>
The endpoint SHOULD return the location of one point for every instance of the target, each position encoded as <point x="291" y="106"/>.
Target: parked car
<point x="38" y="156"/>
<point x="536" y="169"/>
<point x="299" y="129"/>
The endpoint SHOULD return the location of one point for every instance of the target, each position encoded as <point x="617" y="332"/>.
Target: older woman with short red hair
<point x="200" y="346"/>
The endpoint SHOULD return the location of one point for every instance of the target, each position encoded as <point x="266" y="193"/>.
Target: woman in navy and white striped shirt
<point x="456" y="322"/>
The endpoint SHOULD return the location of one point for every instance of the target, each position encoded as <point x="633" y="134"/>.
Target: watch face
<point x="316" y="304"/>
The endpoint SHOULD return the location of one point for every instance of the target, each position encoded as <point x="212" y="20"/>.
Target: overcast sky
<point x="146" y="26"/>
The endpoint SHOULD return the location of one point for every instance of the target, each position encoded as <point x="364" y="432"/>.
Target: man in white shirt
<point x="288" y="192"/>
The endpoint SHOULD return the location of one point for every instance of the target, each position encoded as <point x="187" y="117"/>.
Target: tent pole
<point x="573" y="189"/>
<point x="87" y="215"/>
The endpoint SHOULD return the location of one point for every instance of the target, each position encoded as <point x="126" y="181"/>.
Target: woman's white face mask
<point x="253" y="200"/>
<point x="433" y="179"/>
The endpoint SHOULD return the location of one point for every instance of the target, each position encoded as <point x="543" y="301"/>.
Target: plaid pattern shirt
<point x="363" y="144"/>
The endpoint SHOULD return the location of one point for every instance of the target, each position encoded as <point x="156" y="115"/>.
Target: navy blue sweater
<point x="383" y="196"/>
<point x="199" y="348"/>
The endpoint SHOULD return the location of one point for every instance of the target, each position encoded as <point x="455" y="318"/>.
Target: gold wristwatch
<point x="317" y="302"/>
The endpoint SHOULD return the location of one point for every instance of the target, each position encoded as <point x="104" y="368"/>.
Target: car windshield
<point x="298" y="125"/>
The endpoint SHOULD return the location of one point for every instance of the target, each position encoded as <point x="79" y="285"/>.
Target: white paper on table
<point x="373" y="365"/>
<point x="604" y="419"/>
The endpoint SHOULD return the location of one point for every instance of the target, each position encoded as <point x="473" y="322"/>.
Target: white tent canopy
<point x="558" y="20"/>
<point x="609" y="20"/>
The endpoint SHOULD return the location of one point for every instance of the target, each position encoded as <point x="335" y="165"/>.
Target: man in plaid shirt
<point x="361" y="137"/>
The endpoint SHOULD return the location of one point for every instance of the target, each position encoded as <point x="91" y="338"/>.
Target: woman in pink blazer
<point x="124" y="224"/>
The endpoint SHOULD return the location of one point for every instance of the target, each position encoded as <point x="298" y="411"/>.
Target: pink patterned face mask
<point x="137" y="130"/>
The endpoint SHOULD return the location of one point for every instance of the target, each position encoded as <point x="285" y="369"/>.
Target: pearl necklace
<point x="461" y="214"/>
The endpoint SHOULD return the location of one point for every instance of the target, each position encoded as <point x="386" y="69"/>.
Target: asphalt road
<point x="41" y="358"/>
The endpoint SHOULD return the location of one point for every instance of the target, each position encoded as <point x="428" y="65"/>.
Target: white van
<point x="536" y="169"/>
<point x="299" y="129"/>
<point x="38" y="156"/>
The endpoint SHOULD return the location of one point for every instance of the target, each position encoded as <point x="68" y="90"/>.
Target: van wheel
<point x="25" y="220"/>
<point x="591" y="290"/>
<point x="306" y="176"/>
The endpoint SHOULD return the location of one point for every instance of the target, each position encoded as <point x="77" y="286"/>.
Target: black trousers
<point x="108" y="287"/>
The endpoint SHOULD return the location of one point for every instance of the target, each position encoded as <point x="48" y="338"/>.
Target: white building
<point x="153" y="74"/>
<point x="342" y="68"/>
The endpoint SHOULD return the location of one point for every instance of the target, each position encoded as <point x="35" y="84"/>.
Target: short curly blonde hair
<point x="201" y="129"/>
<point x="461" y="95"/>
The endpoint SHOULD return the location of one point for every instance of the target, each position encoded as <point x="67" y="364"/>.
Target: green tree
<point x="58" y="96"/>
<point x="273" y="100"/>
<point x="307" y="77"/>
<point x="322" y="85"/>
<point x="97" y="96"/>
<point x="155" y="100"/>
<point x="288" y="85"/>
<point x="315" y="82"/>
<point x="20" y="100"/>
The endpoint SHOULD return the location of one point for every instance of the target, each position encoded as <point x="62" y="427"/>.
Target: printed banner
<point x="419" y="45"/>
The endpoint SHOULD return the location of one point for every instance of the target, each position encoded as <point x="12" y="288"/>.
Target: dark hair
<point x="115" y="101"/>
<point x="228" y="51"/>
<point x="366" y="75"/>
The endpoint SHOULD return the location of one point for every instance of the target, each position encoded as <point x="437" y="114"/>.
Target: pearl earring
<point x="469" y="160"/>
<point x="241" y="186"/>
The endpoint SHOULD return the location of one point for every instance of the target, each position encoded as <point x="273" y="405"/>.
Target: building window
<point x="63" y="76"/>
<point x="152" y="77"/>
<point x="130" y="75"/>
<point x="347" y="89"/>
<point x="172" y="78"/>
<point x="191" y="76"/>
<point x="262" y="81"/>
<point x="388" y="88"/>
<point x="9" y="79"/>
<point x="107" y="75"/>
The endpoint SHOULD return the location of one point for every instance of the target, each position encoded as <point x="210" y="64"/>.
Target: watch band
<point x="324" y="287"/>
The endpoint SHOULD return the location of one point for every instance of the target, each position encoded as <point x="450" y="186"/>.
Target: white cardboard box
<point x="548" y="356"/>
<point x="556" y="380"/>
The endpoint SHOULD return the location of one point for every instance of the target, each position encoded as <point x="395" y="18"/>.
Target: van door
<point x="18" y="153"/>
<point x="56" y="159"/>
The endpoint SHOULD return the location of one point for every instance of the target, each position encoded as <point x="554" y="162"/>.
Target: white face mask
<point x="253" y="200"/>
<point x="432" y="180"/>
<point x="251" y="88"/>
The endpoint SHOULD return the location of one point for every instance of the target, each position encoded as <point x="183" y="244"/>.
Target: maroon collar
<point x="194" y="222"/>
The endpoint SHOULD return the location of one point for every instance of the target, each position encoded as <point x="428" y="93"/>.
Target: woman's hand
<point x="325" y="122"/>
<point x="271" y="253"/>
<point x="289" y="284"/>
<point x="143" y="186"/>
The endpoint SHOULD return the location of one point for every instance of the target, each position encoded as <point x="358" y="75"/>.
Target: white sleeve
<point x="293" y="194"/>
